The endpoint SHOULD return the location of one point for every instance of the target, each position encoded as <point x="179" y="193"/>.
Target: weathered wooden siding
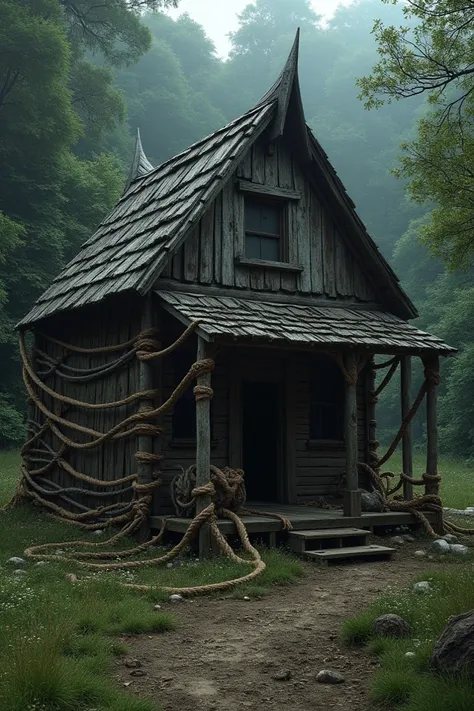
<point x="97" y="327"/>
<point x="317" y="471"/>
<point x="330" y="269"/>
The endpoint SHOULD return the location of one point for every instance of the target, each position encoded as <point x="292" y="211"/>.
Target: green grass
<point x="60" y="638"/>
<point x="407" y="683"/>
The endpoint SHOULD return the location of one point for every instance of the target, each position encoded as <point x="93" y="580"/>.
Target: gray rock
<point x="470" y="509"/>
<point x="372" y="500"/>
<point x="133" y="664"/>
<point x="176" y="598"/>
<point x="440" y="546"/>
<point x="138" y="672"/>
<point x="40" y="564"/>
<point x="458" y="549"/>
<point x="410" y="654"/>
<point x="408" y="538"/>
<point x="169" y="565"/>
<point x="453" y="653"/>
<point x="16" y="561"/>
<point x="99" y="532"/>
<point x="282" y="675"/>
<point x="391" y="626"/>
<point x="397" y="540"/>
<point x="327" y="676"/>
<point x="423" y="586"/>
<point x="450" y="538"/>
<point x="420" y="554"/>
<point x="20" y="571"/>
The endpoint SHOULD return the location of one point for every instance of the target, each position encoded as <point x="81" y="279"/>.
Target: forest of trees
<point x="77" y="79"/>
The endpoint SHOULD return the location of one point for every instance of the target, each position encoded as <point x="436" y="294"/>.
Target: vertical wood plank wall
<point x="330" y="269"/>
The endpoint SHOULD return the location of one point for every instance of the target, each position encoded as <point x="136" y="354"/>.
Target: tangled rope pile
<point x="226" y="488"/>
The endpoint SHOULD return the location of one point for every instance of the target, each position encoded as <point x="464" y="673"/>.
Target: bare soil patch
<point x="229" y="653"/>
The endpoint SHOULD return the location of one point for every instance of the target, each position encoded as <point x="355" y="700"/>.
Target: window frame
<point x="318" y="405"/>
<point x="282" y="206"/>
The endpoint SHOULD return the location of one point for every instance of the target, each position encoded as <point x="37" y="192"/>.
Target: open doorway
<point x="261" y="433"/>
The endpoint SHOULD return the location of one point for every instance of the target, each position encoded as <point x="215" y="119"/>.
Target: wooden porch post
<point x="145" y="442"/>
<point x="407" y="444"/>
<point x="203" y="449"/>
<point x="352" y="498"/>
<point x="432" y="375"/>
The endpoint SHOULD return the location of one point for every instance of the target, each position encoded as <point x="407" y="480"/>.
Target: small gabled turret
<point x="140" y="164"/>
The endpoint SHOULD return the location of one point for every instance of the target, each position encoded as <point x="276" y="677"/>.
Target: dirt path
<point x="225" y="653"/>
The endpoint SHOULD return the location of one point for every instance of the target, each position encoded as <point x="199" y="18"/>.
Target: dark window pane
<point x="270" y="249"/>
<point x="262" y="217"/>
<point x="327" y="395"/>
<point x="252" y="247"/>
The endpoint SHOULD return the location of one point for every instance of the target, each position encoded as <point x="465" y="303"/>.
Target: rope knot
<point x="432" y="376"/>
<point x="203" y="392"/>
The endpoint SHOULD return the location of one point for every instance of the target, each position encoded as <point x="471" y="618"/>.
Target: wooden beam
<point x="145" y="442"/>
<point x="352" y="499"/>
<point x="203" y="450"/>
<point x="264" y="264"/>
<point x="268" y="190"/>
<point x="432" y="372"/>
<point x="407" y="443"/>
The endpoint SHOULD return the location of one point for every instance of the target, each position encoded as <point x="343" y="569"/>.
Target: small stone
<point x="450" y="538"/>
<point x="440" y="546"/>
<point x="391" y="626"/>
<point x="371" y="500"/>
<point x="282" y="675"/>
<point x="98" y="532"/>
<point x="176" y="598"/>
<point x="40" y="564"/>
<point x="408" y="538"/>
<point x="16" y="561"/>
<point x="458" y="549"/>
<point x="169" y="565"/>
<point x="420" y="554"/>
<point x="423" y="586"/>
<point x="246" y="598"/>
<point x="470" y="509"/>
<point x="133" y="664"/>
<point x="157" y="607"/>
<point x="410" y="654"/>
<point x="71" y="577"/>
<point x="20" y="571"/>
<point x="326" y="676"/>
<point x="397" y="540"/>
<point x="138" y="672"/>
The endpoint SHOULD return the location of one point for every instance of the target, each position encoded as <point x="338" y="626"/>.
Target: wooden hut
<point x="250" y="233"/>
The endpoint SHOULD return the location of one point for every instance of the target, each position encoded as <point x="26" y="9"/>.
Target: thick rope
<point x="392" y="370"/>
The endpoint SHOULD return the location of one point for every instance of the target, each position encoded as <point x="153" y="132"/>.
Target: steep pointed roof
<point x="140" y="164"/>
<point x="161" y="205"/>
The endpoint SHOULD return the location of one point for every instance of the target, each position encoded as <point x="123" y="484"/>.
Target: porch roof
<point x="299" y="324"/>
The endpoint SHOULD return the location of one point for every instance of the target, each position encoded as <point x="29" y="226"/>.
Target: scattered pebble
<point x="20" y="571"/>
<point x="98" y="532"/>
<point x="169" y="565"/>
<point x="420" y="554"/>
<point x="410" y="654"/>
<point x="176" y="598"/>
<point x="133" y="664"/>
<point x="246" y="598"/>
<point x="422" y="587"/>
<point x="326" y="676"/>
<point x="397" y="540"/>
<point x="16" y="561"/>
<point x="408" y="538"/>
<point x="440" y="546"/>
<point x="40" y="564"/>
<point x="450" y="538"/>
<point x="282" y="675"/>
<point x="138" y="672"/>
<point x="458" y="549"/>
<point x="157" y="607"/>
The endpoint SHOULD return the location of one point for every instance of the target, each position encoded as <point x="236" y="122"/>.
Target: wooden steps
<point x="326" y="545"/>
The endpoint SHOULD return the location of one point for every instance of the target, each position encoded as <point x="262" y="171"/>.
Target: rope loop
<point x="432" y="376"/>
<point x="203" y="392"/>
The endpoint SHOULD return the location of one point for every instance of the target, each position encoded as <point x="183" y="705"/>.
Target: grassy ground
<point x="60" y="637"/>
<point x="405" y="682"/>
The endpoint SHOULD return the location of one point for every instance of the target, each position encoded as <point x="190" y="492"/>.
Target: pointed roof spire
<point x="283" y="88"/>
<point x="140" y="164"/>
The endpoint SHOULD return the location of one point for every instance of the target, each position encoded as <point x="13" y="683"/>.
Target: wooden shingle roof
<point x="299" y="324"/>
<point x="133" y="244"/>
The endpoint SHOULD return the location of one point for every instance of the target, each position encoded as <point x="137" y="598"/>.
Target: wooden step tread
<point x="354" y="552"/>
<point x="330" y="533"/>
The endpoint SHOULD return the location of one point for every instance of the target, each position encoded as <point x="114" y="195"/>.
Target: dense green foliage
<point x="94" y="73"/>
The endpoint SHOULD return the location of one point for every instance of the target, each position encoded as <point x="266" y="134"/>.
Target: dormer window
<point x="264" y="221"/>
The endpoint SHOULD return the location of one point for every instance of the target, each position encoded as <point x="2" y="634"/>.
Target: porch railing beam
<point x="407" y="442"/>
<point x="352" y="498"/>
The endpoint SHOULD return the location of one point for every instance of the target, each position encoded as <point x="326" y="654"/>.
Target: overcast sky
<point x="219" y="17"/>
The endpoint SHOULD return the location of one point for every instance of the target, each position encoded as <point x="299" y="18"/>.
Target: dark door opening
<point x="261" y="439"/>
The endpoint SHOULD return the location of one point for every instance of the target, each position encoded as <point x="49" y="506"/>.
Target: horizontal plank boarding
<point x="211" y="251"/>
